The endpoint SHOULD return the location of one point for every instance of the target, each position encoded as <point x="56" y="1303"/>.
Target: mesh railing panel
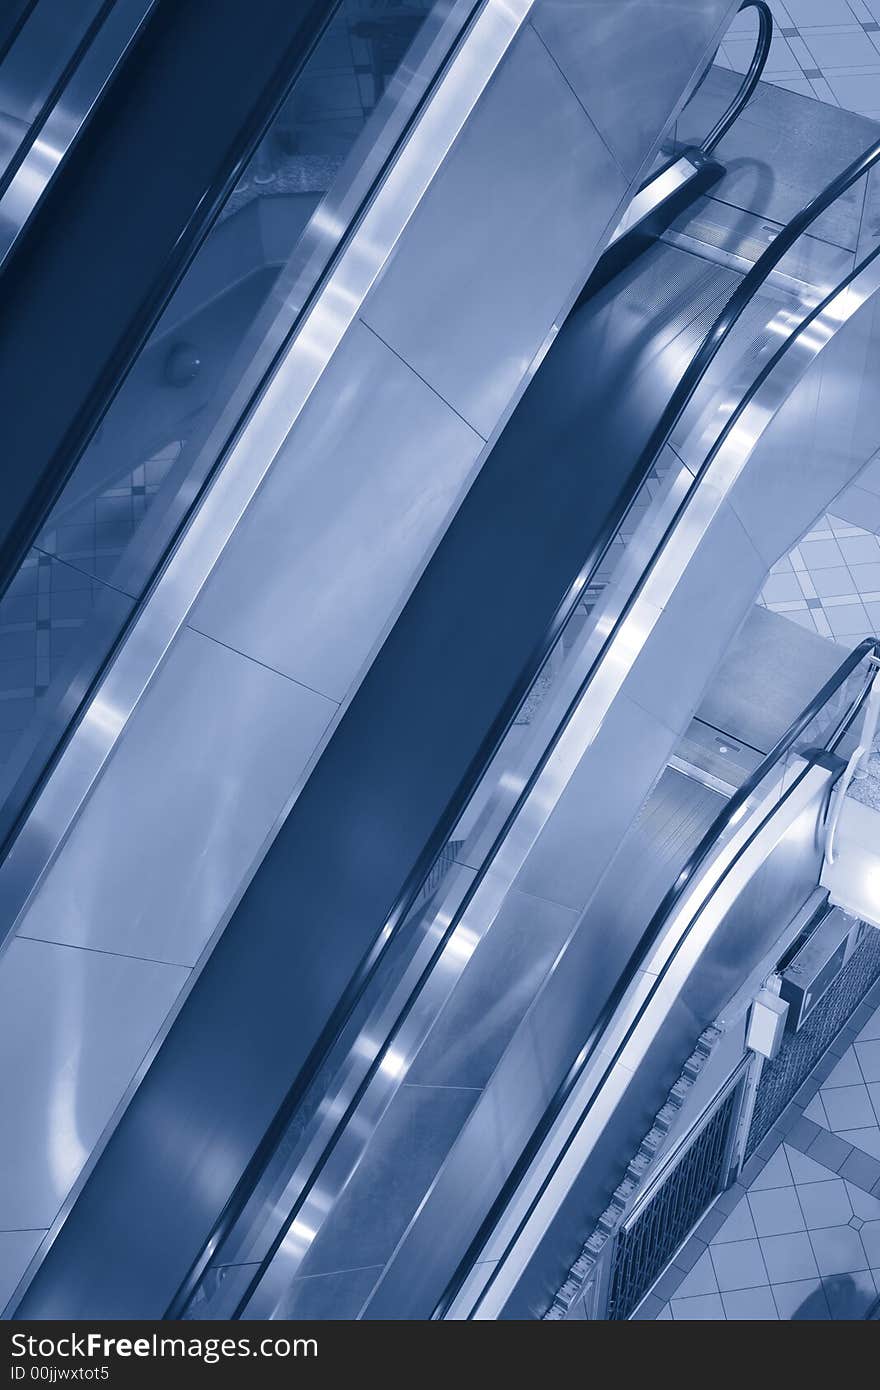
<point x="783" y="1077"/>
<point x="645" y="1247"/>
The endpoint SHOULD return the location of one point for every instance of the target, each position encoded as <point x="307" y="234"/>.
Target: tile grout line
<point x="793" y="1119"/>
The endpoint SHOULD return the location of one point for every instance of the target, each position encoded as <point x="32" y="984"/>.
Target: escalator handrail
<point x="752" y="77"/>
<point x="681" y="397"/>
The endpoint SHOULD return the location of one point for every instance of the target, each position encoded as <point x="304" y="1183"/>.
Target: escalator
<point x="289" y="198"/>
<point x="299" y="247"/>
<point x="651" y="320"/>
<point x="324" y="1171"/>
<point x="702" y="947"/>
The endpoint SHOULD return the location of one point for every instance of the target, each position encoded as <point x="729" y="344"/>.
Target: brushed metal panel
<point x="502" y="977"/>
<point x="35" y="85"/>
<point x="768" y="675"/>
<point x="293" y="379"/>
<point x="573" y="851"/>
<point x="859" y="506"/>
<point x="488" y="260"/>
<point x="692" y="634"/>
<point x="782" y="152"/>
<point x="408" y="1145"/>
<point x="673" y="819"/>
<point x="74" y="1026"/>
<point x="818" y="441"/>
<point x="203" y="769"/>
<point x="608" y="50"/>
<point x="331" y="545"/>
<point x="727" y="933"/>
<point x="17" y="1249"/>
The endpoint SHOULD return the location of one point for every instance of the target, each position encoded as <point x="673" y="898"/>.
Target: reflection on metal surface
<point x="62" y="124"/>
<point x="83" y="1020"/>
<point x="670" y="180"/>
<point x="853" y="876"/>
<point x="189" y="862"/>
<point x="653" y="194"/>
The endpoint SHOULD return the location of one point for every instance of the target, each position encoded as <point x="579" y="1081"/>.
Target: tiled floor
<point x="803" y="1241"/>
<point x="830" y="582"/>
<point x="848" y="1102"/>
<point x="829" y="49"/>
<point x="801" y="1245"/>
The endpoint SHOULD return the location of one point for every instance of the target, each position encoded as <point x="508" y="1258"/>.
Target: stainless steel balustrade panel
<point x="477" y="298"/>
<point x="252" y="454"/>
<point x="823" y="435"/>
<point x="641" y="29"/>
<point x="17" y="1249"/>
<point x="336" y="537"/>
<point x="767" y="676"/>
<point x="847" y="309"/>
<point x="43" y="47"/>
<point x="464" y="1046"/>
<point x="673" y="297"/>
<point x="477" y="307"/>
<point x="359" y="1205"/>
<point x="74" y="1026"/>
<point x="151" y="875"/>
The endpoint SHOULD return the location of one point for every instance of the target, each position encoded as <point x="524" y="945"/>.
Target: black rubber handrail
<point x="752" y="77"/>
<point x="681" y="397"/>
